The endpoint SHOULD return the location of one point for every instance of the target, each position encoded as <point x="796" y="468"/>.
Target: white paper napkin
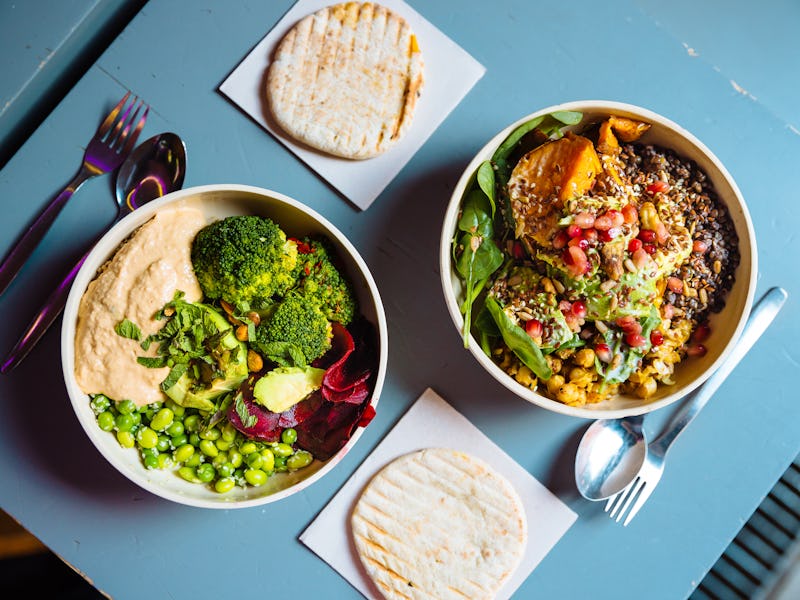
<point x="449" y="74"/>
<point x="432" y="422"/>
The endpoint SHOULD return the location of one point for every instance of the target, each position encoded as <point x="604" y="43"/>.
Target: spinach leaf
<point x="475" y="215"/>
<point x="128" y="329"/>
<point x="518" y="341"/>
<point x="485" y="179"/>
<point x="504" y="150"/>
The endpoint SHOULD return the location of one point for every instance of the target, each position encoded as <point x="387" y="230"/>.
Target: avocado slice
<point x="188" y="392"/>
<point x="283" y="387"/>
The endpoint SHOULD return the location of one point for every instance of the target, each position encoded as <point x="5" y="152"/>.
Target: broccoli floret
<point x="320" y="281"/>
<point x="297" y="323"/>
<point x="244" y="259"/>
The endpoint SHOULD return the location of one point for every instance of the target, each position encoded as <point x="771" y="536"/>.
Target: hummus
<point x="143" y="275"/>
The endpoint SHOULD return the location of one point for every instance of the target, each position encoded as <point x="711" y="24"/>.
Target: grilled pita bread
<point x="439" y="524"/>
<point x="345" y="80"/>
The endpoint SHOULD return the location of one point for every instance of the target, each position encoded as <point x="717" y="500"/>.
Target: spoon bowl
<point x="609" y="456"/>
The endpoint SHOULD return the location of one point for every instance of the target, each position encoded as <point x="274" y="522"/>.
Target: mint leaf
<point x="175" y="373"/>
<point x="248" y="420"/>
<point x="128" y="329"/>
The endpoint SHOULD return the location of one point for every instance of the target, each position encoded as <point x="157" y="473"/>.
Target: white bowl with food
<point x="598" y="259"/>
<point x="224" y="346"/>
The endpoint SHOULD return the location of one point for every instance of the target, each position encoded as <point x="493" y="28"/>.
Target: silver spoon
<point x="612" y="451"/>
<point x="156" y="167"/>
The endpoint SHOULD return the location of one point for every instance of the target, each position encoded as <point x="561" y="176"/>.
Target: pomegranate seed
<point x="609" y="234"/>
<point x="584" y="220"/>
<point x="603" y="223"/>
<point x="668" y="311"/>
<point x="580" y="242"/>
<point x="560" y="240"/>
<point x="573" y="231"/>
<point x="518" y="251"/>
<point x="590" y="235"/>
<point x="699" y="246"/>
<point x="580" y="263"/>
<point x="701" y="333"/>
<point x="630" y="214"/>
<point x="649" y="248"/>
<point x="657" y="186"/>
<point x="579" y="309"/>
<point x="635" y="340"/>
<point x="603" y="352"/>
<point x="656" y="338"/>
<point x="647" y="235"/>
<point x="617" y="219"/>
<point x="696" y="350"/>
<point x="640" y="258"/>
<point x="629" y="324"/>
<point x="662" y="235"/>
<point x="675" y="285"/>
<point x="566" y="257"/>
<point x="634" y="245"/>
<point x="534" y="328"/>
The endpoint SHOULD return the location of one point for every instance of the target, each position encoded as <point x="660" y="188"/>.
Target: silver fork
<point x="629" y="501"/>
<point x="110" y="146"/>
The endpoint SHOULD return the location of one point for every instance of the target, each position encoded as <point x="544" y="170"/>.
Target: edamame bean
<point x="205" y="472"/>
<point x="254" y="460"/>
<point x="224" y="485"/>
<point x="183" y="453"/>
<point x="126" y="407"/>
<point x="299" y="460"/>
<point x="247" y="448"/>
<point x="162" y="419"/>
<point x="268" y="457"/>
<point x="150" y="459"/>
<point x="179" y="440"/>
<point x="235" y="458"/>
<point x="229" y="432"/>
<point x="282" y="449"/>
<point x="165" y="461"/>
<point x="225" y="470"/>
<point x="147" y="438"/>
<point x="255" y="477"/>
<point x="280" y="463"/>
<point x="126" y="439"/>
<point x="178" y="410"/>
<point x="208" y="448"/>
<point x="194" y="460"/>
<point x="175" y="428"/>
<point x="220" y="459"/>
<point x="188" y="473"/>
<point x="289" y="436"/>
<point x="124" y="422"/>
<point x="210" y="434"/>
<point x="106" y="420"/>
<point x="194" y="439"/>
<point x="222" y="444"/>
<point x="192" y="423"/>
<point x="163" y="444"/>
<point x="100" y="403"/>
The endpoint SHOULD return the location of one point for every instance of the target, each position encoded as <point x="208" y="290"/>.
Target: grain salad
<point x="592" y="262"/>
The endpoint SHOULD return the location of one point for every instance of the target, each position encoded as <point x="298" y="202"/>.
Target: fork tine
<point x="112" y="116"/>
<point x="118" y="128"/>
<point x="634" y="495"/>
<point x="131" y="140"/>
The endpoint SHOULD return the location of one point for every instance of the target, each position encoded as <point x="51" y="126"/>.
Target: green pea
<point x="147" y="438"/>
<point x="248" y="448"/>
<point x="235" y="457"/>
<point x="282" y="449"/>
<point x="126" y="407"/>
<point x="100" y="403"/>
<point x="189" y="474"/>
<point x="268" y="460"/>
<point x="194" y="460"/>
<point x="205" y="472"/>
<point x="224" y="485"/>
<point x="192" y="423"/>
<point x="175" y="428"/>
<point x="255" y="477"/>
<point x="194" y="439"/>
<point x="162" y="419"/>
<point x="229" y="432"/>
<point x="124" y="422"/>
<point x="299" y="460"/>
<point x="210" y="434"/>
<point x="126" y="439"/>
<point x="280" y="463"/>
<point x="106" y="420"/>
<point x="163" y="444"/>
<point x="183" y="452"/>
<point x="179" y="440"/>
<point x="289" y="436"/>
<point x="225" y="469"/>
<point x="208" y="448"/>
<point x="254" y="460"/>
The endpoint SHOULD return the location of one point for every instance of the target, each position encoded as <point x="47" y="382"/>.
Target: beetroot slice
<point x="341" y="346"/>
<point x="354" y="395"/>
<point x="267" y="426"/>
<point x="327" y="431"/>
<point x="301" y="411"/>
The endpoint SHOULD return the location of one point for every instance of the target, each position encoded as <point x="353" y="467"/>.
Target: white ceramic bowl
<point x="218" y="201"/>
<point x="726" y="326"/>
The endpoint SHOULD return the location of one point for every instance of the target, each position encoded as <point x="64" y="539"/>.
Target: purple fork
<point x="110" y="146"/>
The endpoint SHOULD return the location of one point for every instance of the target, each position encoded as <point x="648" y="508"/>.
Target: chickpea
<point x="569" y="393"/>
<point x="554" y="383"/>
<point x="577" y="374"/>
<point x="553" y="362"/>
<point x="584" y="357"/>
<point x="647" y="388"/>
<point x="525" y="377"/>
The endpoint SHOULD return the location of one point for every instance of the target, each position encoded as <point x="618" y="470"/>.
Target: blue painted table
<point x="679" y="61"/>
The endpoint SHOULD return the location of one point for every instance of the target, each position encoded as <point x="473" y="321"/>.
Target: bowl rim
<point x="445" y="270"/>
<point x="102" y="251"/>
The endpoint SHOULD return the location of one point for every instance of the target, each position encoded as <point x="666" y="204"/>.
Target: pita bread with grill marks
<point x="439" y="524"/>
<point x="345" y="80"/>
